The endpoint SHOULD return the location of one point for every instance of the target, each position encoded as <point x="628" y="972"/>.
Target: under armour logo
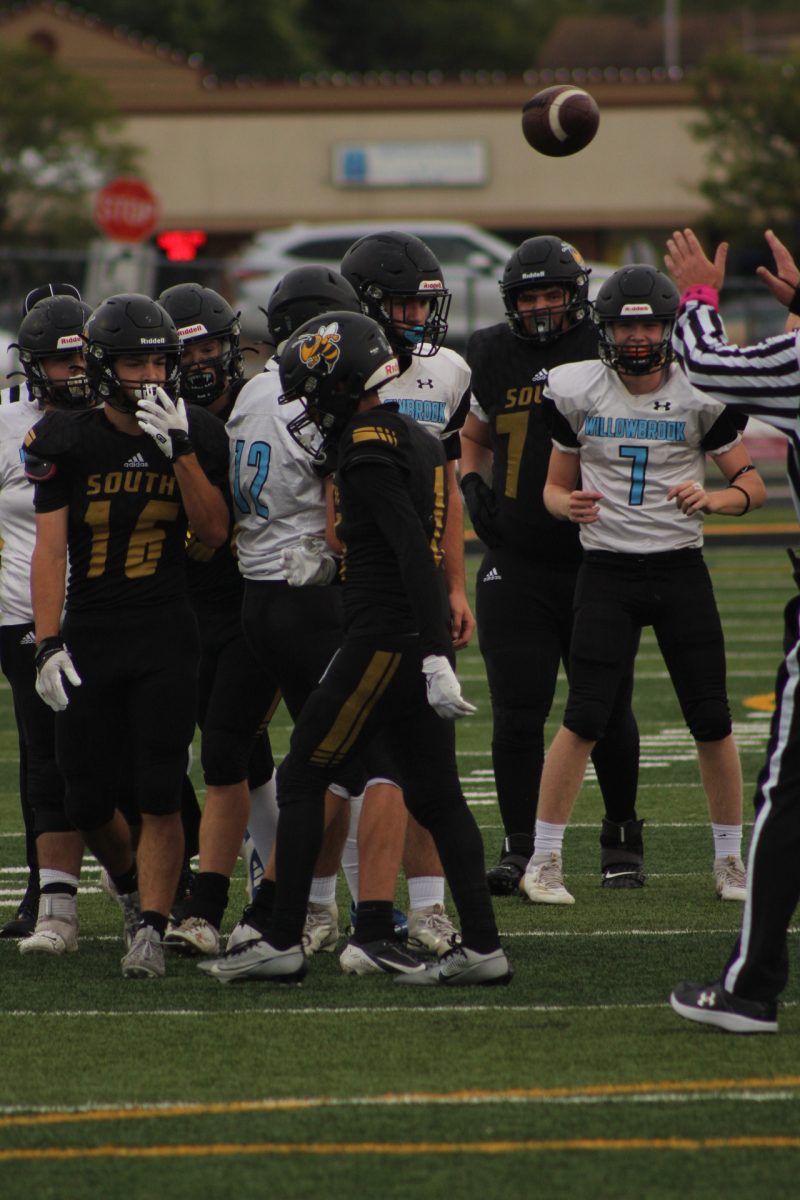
<point x="707" y="1000"/>
<point x="423" y="383"/>
<point x="666" y="405"/>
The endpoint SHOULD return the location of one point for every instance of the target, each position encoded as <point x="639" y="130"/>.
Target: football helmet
<point x="537" y="262"/>
<point x="129" y="324"/>
<point x="199" y="313"/>
<point x="329" y="364"/>
<point x="385" y="267"/>
<point x="636" y="293"/>
<point x="45" y="291"/>
<point x="52" y="327"/>
<point x="306" y="292"/>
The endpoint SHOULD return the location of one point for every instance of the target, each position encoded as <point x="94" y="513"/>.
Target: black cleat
<point x="710" y="1004"/>
<point x="622" y="854"/>
<point x="504" y="878"/>
<point x="23" y="923"/>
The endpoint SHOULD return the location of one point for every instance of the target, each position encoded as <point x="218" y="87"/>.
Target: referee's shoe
<point x="710" y="1004"/>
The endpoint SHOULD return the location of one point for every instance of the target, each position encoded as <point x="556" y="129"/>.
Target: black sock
<point x="374" y="922"/>
<point x="208" y="898"/>
<point x="262" y="905"/>
<point x="127" y="882"/>
<point x="155" y="920"/>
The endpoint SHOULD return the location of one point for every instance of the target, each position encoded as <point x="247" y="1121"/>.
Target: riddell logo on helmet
<point x="188" y="331"/>
<point x="391" y="368"/>
<point x="636" y="310"/>
<point x="157" y="341"/>
<point x="70" y="341"/>
<point x="431" y="285"/>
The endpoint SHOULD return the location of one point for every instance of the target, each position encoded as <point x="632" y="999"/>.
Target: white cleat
<point x="258" y="959"/>
<point x="56" y="929"/>
<point x="431" y="929"/>
<point x="145" y="958"/>
<point x="730" y="878"/>
<point x="193" y="936"/>
<point x="461" y="967"/>
<point x="321" y="930"/>
<point x="543" y="882"/>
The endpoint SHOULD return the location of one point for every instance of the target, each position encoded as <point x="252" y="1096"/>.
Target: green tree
<point x="751" y="123"/>
<point x="55" y="150"/>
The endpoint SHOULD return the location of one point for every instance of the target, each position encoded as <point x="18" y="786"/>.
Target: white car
<point x="472" y="261"/>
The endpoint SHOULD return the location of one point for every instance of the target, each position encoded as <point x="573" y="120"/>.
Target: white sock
<point x="263" y="819"/>
<point x="727" y="840"/>
<point x="48" y="875"/>
<point x="549" y="839"/>
<point x="323" y="890"/>
<point x="425" y="891"/>
<point x="350" y="852"/>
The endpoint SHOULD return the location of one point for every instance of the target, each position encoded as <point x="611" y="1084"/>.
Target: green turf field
<point x="576" y="1081"/>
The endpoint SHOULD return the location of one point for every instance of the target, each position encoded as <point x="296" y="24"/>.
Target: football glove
<point x="53" y="666"/>
<point x="166" y="422"/>
<point x="309" y="562"/>
<point x="482" y="508"/>
<point x="444" y="690"/>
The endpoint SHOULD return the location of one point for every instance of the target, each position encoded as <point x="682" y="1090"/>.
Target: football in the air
<point x="560" y="120"/>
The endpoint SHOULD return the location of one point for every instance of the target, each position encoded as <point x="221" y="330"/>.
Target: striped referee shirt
<point x="763" y="380"/>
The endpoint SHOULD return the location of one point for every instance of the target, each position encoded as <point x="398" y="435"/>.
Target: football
<point x="560" y="120"/>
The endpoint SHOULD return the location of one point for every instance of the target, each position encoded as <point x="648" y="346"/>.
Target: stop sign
<point x="126" y="210"/>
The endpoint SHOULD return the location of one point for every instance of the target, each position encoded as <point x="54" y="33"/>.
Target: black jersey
<point x="508" y="374"/>
<point x="213" y="575"/>
<point x="126" y="523"/>
<point x="391" y="499"/>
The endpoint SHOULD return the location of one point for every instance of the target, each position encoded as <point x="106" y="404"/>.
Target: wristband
<point x="746" y="495"/>
<point x="181" y="443"/>
<point x="46" y="649"/>
<point x="703" y="294"/>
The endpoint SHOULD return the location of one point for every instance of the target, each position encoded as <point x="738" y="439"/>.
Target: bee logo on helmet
<point x="321" y="346"/>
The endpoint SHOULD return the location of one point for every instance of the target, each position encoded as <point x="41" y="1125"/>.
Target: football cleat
<point x="246" y="929"/>
<point x="712" y="1005"/>
<point x="504" y="878"/>
<point x="430" y="929"/>
<point x="56" y="929"/>
<point x="194" y="935"/>
<point x="730" y="878"/>
<point x="145" y="957"/>
<point x="622" y="854"/>
<point x="321" y="930"/>
<point x="23" y="922"/>
<point x="257" y="959"/>
<point x="378" y="958"/>
<point x="543" y="882"/>
<point x="462" y="967"/>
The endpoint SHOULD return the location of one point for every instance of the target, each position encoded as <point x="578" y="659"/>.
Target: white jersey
<point x="277" y="495"/>
<point x="633" y="449"/>
<point x="434" y="392"/>
<point x="17" y="518"/>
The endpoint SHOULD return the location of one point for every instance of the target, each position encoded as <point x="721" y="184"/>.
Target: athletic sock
<point x="549" y="839"/>
<point x="323" y="890"/>
<point x="425" y="890"/>
<point x="727" y="840"/>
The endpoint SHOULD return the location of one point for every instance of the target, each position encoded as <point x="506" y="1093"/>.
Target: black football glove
<point x="482" y="508"/>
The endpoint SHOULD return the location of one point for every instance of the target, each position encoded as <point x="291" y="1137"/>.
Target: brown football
<point x="560" y="120"/>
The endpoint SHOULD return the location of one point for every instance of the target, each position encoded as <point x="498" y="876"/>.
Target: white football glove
<point x="165" y="421"/>
<point x="444" y="690"/>
<point x="53" y="666"/>
<point x="309" y="562"/>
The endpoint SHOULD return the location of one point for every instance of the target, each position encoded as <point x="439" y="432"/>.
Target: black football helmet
<point x="636" y="293"/>
<point x="52" y="327"/>
<point x="45" y="291"/>
<point x="537" y="262"/>
<point x="199" y="313"/>
<point x="306" y="292"/>
<point x="329" y="364"/>
<point x="399" y="266"/>
<point x="129" y="324"/>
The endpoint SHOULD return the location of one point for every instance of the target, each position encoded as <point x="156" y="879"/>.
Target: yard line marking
<point x="655" y="1089"/>
<point x="446" y="1010"/>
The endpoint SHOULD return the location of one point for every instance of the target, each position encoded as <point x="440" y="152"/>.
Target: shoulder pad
<point x="37" y="469"/>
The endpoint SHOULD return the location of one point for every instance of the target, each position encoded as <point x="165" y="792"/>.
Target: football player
<point x="116" y="487"/>
<point x="526" y="578"/>
<point x="235" y="696"/>
<point x="630" y="435"/>
<point x="51" y="352"/>
<point x="393" y="672"/>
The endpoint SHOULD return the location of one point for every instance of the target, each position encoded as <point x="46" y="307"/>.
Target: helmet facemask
<point x="420" y="339"/>
<point x="73" y="392"/>
<point x="124" y="395"/>
<point x="204" y="382"/>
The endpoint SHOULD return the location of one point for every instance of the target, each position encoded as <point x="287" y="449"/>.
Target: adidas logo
<point x="135" y="463"/>
<point x="29" y="639"/>
<point x="492" y="575"/>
